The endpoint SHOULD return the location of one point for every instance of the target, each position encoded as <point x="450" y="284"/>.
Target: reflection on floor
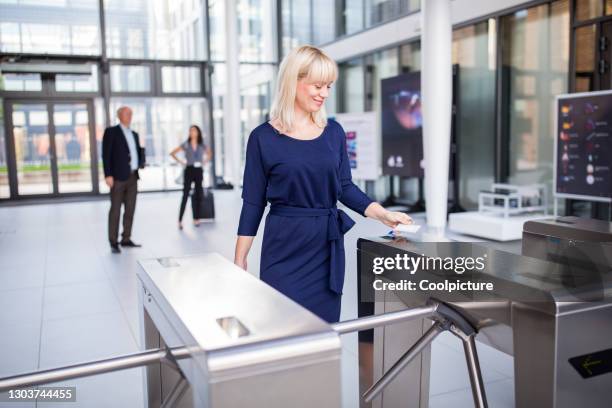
<point x="64" y="298"/>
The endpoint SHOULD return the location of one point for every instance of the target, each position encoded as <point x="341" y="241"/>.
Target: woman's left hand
<point x="394" y="218"/>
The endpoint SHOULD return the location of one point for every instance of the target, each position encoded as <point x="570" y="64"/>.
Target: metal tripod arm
<point x="445" y="318"/>
<point x="403" y="361"/>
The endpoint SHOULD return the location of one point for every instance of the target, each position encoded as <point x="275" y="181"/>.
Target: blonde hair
<point x="302" y="62"/>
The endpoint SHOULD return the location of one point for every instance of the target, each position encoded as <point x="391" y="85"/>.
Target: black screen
<point x="402" y="125"/>
<point x="591" y="365"/>
<point x="584" y="145"/>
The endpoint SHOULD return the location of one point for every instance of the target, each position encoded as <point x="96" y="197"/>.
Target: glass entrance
<point x="50" y="147"/>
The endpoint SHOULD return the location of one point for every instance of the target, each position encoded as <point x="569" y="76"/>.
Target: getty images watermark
<point x="411" y="264"/>
<point x="473" y="271"/>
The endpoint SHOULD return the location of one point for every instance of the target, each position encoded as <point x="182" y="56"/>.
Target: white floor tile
<point x="82" y="269"/>
<point x="19" y="344"/>
<point x="20" y="306"/>
<point x="79" y="299"/>
<point x="22" y="276"/>
<point x="449" y="370"/>
<point x="499" y="394"/>
<point x="84" y="338"/>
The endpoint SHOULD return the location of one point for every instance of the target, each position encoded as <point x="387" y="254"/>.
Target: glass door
<point x="32" y="149"/>
<point x="72" y="135"/>
<point x="50" y="148"/>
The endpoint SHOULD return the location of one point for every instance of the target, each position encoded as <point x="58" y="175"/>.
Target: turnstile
<point x="233" y="341"/>
<point x="243" y="344"/>
<point x="551" y="310"/>
<point x="215" y="336"/>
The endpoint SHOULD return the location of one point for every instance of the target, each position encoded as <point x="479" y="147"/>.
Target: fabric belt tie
<point x="338" y="223"/>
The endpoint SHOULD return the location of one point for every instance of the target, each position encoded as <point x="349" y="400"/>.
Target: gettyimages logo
<point x="412" y="264"/>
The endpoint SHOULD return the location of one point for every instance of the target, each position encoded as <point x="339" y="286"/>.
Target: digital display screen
<point x="584" y="145"/>
<point x="591" y="365"/>
<point x="402" y="125"/>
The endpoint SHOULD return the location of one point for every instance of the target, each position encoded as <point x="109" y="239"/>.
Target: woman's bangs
<point x="322" y="70"/>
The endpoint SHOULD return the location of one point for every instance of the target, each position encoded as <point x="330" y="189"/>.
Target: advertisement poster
<point x="362" y="143"/>
<point x="584" y="146"/>
<point x="402" y="125"/>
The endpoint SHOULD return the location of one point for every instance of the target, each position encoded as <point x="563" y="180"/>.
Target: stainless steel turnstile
<point x="243" y="344"/>
<point x="551" y="310"/>
<point x="214" y="336"/>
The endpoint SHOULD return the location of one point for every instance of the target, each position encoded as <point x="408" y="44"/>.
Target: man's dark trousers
<point x="123" y="192"/>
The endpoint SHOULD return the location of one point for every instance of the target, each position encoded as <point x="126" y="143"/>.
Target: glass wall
<point x="69" y="27"/>
<point x="156" y="49"/>
<point x="380" y="65"/>
<point x="130" y="78"/>
<point x="256" y="92"/>
<point x="71" y="123"/>
<point x="255" y="20"/>
<point x="77" y="83"/>
<point x="359" y="91"/>
<point x="32" y="140"/>
<point x="380" y="11"/>
<point x="474" y="52"/>
<point x="322" y="21"/>
<point x="351" y="86"/>
<point x="585" y="58"/>
<point x="162" y="124"/>
<point x="410" y="57"/>
<point x="535" y="68"/>
<point x="301" y="22"/>
<point x="535" y="65"/>
<point x="20" y="82"/>
<point x="352" y="16"/>
<point x="100" y="124"/>
<point x="588" y="9"/>
<point x="155" y="29"/>
<point x="258" y="58"/>
<point x="4" y="181"/>
<point x="300" y="25"/>
<point x="255" y="98"/>
<point x="216" y="20"/>
<point x="219" y="83"/>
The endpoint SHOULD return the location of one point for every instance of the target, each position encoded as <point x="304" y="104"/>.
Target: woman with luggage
<point x="196" y="154"/>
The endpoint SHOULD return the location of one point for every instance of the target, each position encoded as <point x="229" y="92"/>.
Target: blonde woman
<point x="298" y="163"/>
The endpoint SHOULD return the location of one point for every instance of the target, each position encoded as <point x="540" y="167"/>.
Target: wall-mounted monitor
<point x="402" y="125"/>
<point x="583" y="146"/>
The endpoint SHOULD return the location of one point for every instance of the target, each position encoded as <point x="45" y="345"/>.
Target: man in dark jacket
<point x="122" y="157"/>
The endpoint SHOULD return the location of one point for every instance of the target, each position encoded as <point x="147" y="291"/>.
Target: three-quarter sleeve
<point x="254" y="185"/>
<point x="351" y="196"/>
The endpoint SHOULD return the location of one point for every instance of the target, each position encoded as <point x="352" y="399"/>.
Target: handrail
<point x="169" y="356"/>
<point x="86" y="369"/>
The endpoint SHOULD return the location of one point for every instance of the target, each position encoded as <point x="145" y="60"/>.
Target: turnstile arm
<point x="90" y="368"/>
<point x="403" y="361"/>
<point x="445" y="318"/>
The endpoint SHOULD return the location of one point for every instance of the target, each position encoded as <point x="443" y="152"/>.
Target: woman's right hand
<point x="243" y="245"/>
<point x="242" y="263"/>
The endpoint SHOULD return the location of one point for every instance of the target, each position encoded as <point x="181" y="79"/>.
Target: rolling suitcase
<point x="206" y="209"/>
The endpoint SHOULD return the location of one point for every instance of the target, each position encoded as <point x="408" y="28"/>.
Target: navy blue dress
<point x="303" y="246"/>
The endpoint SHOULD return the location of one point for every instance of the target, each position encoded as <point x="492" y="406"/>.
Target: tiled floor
<point x="64" y="298"/>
